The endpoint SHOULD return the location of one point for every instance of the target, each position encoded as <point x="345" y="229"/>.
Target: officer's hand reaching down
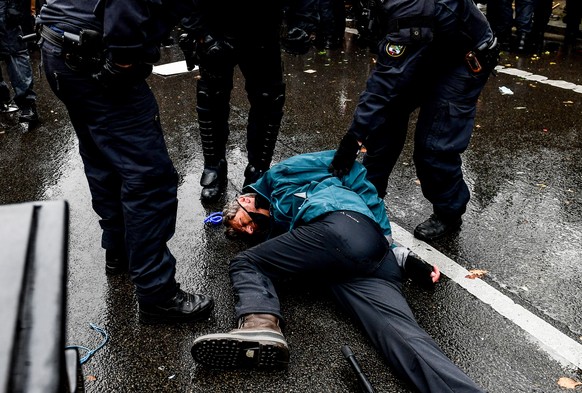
<point x="344" y="157"/>
<point x="120" y="75"/>
<point x="421" y="272"/>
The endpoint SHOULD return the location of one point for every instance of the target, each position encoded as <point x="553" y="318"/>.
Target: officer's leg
<point x="104" y="181"/>
<point x="381" y="118"/>
<point x="119" y="131"/>
<point x="124" y="126"/>
<point x="263" y="72"/>
<point x="213" y="108"/>
<point x="130" y="135"/>
<point x="382" y="311"/>
<point x="443" y="131"/>
<point x="524" y="10"/>
<point x="383" y="150"/>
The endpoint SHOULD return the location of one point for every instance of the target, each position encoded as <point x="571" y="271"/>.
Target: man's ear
<point x="250" y="228"/>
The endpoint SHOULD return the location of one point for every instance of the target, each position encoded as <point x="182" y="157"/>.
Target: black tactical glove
<point x="187" y="43"/>
<point x="297" y="41"/>
<point x="112" y="74"/>
<point x="344" y="157"/>
<point x="419" y="271"/>
<point x="489" y="56"/>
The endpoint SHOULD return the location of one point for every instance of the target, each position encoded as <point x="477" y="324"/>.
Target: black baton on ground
<point x="351" y="358"/>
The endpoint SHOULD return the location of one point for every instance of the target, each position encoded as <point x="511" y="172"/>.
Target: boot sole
<point x="147" y="318"/>
<point x="259" y="348"/>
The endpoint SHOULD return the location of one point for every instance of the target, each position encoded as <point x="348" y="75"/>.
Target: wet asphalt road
<point x="523" y="226"/>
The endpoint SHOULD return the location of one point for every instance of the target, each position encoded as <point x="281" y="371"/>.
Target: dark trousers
<point x="446" y="92"/>
<point x="347" y="251"/>
<point x="261" y="65"/>
<point x="132" y="180"/>
<point x="15" y="54"/>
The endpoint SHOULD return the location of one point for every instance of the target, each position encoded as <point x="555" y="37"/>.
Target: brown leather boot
<point x="258" y="342"/>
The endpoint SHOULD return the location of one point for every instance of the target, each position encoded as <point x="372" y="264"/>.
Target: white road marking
<point x="561" y="347"/>
<point x="540" y="78"/>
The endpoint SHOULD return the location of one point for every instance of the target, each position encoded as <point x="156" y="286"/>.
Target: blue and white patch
<point x="395" y="50"/>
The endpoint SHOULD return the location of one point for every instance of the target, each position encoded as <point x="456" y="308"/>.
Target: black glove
<point x="297" y="41"/>
<point x="344" y="157"/>
<point x="113" y="75"/>
<point x="187" y="43"/>
<point x="418" y="271"/>
<point x="489" y="56"/>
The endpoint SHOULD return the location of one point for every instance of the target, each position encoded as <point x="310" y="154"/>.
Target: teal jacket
<point x="300" y="189"/>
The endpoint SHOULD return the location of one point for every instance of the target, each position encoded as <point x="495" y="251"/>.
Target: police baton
<point x="351" y="358"/>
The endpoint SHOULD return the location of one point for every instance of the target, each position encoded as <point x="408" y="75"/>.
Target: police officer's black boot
<point x="262" y="131"/>
<point x="213" y="111"/>
<point x="213" y="181"/>
<point x="434" y="228"/>
<point x="182" y="307"/>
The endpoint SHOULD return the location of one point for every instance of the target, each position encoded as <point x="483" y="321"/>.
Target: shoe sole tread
<point x="256" y="348"/>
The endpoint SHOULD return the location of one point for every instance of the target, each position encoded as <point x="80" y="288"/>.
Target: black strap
<point x="52" y="36"/>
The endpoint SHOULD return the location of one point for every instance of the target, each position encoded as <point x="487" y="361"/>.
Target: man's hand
<point x="120" y="75"/>
<point x="344" y="157"/>
<point x="187" y="42"/>
<point x="297" y="41"/>
<point x="421" y="272"/>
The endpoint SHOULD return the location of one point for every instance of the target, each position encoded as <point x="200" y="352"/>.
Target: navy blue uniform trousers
<point x="132" y="180"/>
<point x="433" y="77"/>
<point x="347" y="251"/>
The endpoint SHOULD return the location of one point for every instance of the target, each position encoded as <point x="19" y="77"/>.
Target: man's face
<point x="242" y="221"/>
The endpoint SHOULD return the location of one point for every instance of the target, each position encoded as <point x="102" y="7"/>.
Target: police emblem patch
<point x="394" y="50"/>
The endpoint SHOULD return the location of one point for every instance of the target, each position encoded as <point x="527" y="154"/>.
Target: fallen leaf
<point x="568" y="383"/>
<point x="91" y="378"/>
<point x="476" y="273"/>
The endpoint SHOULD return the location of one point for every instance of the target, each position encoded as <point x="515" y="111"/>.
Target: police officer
<point x="96" y="64"/>
<point x="220" y="36"/>
<point x="435" y="55"/>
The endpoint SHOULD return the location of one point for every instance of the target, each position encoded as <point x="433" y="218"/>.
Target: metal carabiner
<point x="473" y="62"/>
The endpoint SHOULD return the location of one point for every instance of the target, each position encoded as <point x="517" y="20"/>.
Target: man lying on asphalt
<point x="335" y="230"/>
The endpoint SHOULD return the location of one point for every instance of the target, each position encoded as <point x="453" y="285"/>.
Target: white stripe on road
<point x="561" y="347"/>
<point x="540" y="79"/>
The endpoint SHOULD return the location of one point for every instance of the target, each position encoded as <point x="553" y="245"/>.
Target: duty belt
<point x="56" y="36"/>
<point x="82" y="51"/>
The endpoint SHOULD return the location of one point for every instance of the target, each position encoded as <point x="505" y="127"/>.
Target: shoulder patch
<point x="394" y="50"/>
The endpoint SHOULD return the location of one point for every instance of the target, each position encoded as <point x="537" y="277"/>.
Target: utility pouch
<point x="83" y="52"/>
